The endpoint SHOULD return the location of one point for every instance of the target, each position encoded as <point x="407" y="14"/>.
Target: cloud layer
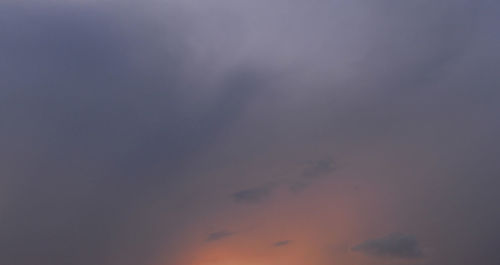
<point x="129" y="130"/>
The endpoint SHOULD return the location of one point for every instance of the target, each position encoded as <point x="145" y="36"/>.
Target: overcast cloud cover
<point x="205" y="132"/>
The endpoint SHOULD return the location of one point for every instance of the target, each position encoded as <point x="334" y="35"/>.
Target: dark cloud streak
<point x="215" y="236"/>
<point x="282" y="243"/>
<point x="254" y="195"/>
<point x="391" y="246"/>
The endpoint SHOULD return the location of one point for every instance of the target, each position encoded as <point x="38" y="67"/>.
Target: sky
<point x="236" y="132"/>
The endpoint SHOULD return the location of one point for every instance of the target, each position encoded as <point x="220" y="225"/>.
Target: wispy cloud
<point x="312" y="172"/>
<point x="391" y="246"/>
<point x="282" y="243"/>
<point x="319" y="168"/>
<point x="254" y="195"/>
<point x="219" y="235"/>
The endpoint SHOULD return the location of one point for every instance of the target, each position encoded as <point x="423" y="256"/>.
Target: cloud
<point x="391" y="246"/>
<point x="105" y="107"/>
<point x="312" y="172"/>
<point x="98" y="113"/>
<point x="254" y="195"/>
<point x="219" y="235"/>
<point x="282" y="243"/>
<point x="319" y="168"/>
<point x="299" y="185"/>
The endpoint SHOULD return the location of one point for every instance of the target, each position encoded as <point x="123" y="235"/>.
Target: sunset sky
<point x="249" y="132"/>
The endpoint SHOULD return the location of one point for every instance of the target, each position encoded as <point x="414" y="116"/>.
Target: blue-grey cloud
<point x="391" y="246"/>
<point x="282" y="243"/>
<point x="319" y="168"/>
<point x="314" y="171"/>
<point x="255" y="194"/>
<point x="97" y="120"/>
<point x="107" y="109"/>
<point x="219" y="235"/>
<point x="299" y="185"/>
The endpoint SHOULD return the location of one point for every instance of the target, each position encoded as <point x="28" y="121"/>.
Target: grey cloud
<point x="282" y="243"/>
<point x="391" y="246"/>
<point x="103" y="114"/>
<point x="319" y="168"/>
<point x="94" y="127"/>
<point x="254" y="195"/>
<point x="314" y="171"/>
<point x="299" y="185"/>
<point x="219" y="235"/>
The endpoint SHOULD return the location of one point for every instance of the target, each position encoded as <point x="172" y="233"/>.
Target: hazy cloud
<point x="113" y="112"/>
<point x="95" y="108"/>
<point x="319" y="168"/>
<point x="391" y="246"/>
<point x="254" y="195"/>
<point x="311" y="173"/>
<point x="219" y="235"/>
<point x="282" y="243"/>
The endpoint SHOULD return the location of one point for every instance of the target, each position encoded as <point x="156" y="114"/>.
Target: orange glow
<point x="322" y="225"/>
